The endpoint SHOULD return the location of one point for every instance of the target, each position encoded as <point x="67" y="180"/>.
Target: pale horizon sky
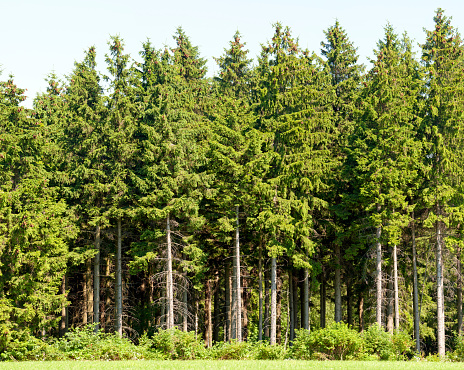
<point x="40" y="37"/>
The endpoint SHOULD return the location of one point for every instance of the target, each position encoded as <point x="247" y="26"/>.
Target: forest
<point x="278" y="197"/>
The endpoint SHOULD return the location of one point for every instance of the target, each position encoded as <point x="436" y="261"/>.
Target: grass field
<point x="234" y="365"/>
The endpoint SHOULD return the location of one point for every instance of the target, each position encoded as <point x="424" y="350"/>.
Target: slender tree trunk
<point x="337" y="282"/>
<point x="209" y="332"/>
<point x="196" y="318"/>
<point x="246" y="300"/>
<point x="217" y="310"/>
<point x="415" y="288"/>
<point x="267" y="319"/>
<point x="291" y="310"/>
<point x="389" y="301"/>
<point x="185" y="308"/>
<point x="305" y="300"/>
<point x="440" y="294"/>
<point x="395" y="283"/>
<point x="378" y="277"/>
<point x="297" y="324"/>
<point x="260" y="290"/>
<point x="96" y="281"/>
<point x="459" y="290"/>
<point x="238" y="289"/>
<point x="64" y="309"/>
<point x="118" y="318"/>
<point x="323" y="300"/>
<point x="349" y="308"/>
<point x="105" y="317"/>
<point x="279" y="311"/>
<point x="227" y="307"/>
<point x="273" y="301"/>
<point x="361" y="312"/>
<point x="169" y="282"/>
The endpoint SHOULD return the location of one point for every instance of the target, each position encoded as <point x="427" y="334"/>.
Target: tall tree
<point x="442" y="55"/>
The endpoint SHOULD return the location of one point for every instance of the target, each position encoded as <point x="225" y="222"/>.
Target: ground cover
<point x="228" y="364"/>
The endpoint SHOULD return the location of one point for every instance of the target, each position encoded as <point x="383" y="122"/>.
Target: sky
<point x="43" y="36"/>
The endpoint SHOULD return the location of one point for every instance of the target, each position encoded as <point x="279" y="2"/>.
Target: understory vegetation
<point x="336" y="342"/>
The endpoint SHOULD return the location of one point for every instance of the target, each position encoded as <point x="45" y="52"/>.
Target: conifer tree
<point x="385" y="150"/>
<point x="442" y="55"/>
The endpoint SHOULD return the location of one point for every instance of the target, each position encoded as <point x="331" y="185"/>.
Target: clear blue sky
<point x="39" y="37"/>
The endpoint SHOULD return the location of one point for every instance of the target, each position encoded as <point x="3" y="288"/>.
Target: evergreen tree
<point x="442" y="55"/>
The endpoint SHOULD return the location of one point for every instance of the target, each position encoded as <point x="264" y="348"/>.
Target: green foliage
<point x="387" y="346"/>
<point x="173" y="344"/>
<point x="336" y="342"/>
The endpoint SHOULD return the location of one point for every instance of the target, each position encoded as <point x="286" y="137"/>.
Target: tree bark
<point x="291" y="310"/>
<point x="337" y="282"/>
<point x="208" y="323"/>
<point x="459" y="290"/>
<point x="217" y="310"/>
<point x="260" y="292"/>
<point x="238" y="289"/>
<point x="279" y="311"/>
<point x="361" y="312"/>
<point x="96" y="281"/>
<point x="267" y="320"/>
<point x="415" y="288"/>
<point x="349" y="307"/>
<point x="227" y="307"/>
<point x="118" y="318"/>
<point x="273" y="301"/>
<point x="322" y="300"/>
<point x="389" y="301"/>
<point x="169" y="282"/>
<point x="378" y="277"/>
<point x="64" y="309"/>
<point x="246" y="300"/>
<point x="305" y="300"/>
<point x="185" y="307"/>
<point x="440" y="293"/>
<point x="395" y="283"/>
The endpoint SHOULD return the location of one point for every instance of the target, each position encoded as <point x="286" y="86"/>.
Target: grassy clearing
<point x="219" y="365"/>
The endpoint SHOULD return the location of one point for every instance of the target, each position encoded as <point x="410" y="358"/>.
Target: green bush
<point x="264" y="351"/>
<point x="22" y="346"/>
<point x="232" y="351"/>
<point x="173" y="344"/>
<point x="336" y="342"/>
<point x="387" y="346"/>
<point x="458" y="354"/>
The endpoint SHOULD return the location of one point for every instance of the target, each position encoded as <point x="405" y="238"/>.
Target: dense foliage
<point x="307" y="202"/>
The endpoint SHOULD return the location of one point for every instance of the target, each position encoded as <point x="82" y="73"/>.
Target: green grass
<point x="234" y="365"/>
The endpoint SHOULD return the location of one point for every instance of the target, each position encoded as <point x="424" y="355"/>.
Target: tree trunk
<point x="297" y="324"/>
<point x="337" y="282"/>
<point x="361" y="312"/>
<point x="118" y="318"/>
<point x="389" y="301"/>
<point x="395" y="283"/>
<point x="227" y="308"/>
<point x="238" y="289"/>
<point x="267" y="320"/>
<point x="185" y="307"/>
<point x="279" y="311"/>
<point x="169" y="282"/>
<point x="260" y="290"/>
<point x="440" y="294"/>
<point x="209" y="332"/>
<point x="246" y="300"/>
<point x="323" y="300"/>
<point x="96" y="281"/>
<point x="273" y="301"/>
<point x="459" y="290"/>
<point x="88" y="316"/>
<point x="349" y="308"/>
<point x="291" y="310"/>
<point x="415" y="288"/>
<point x="217" y="310"/>
<point x="378" y="277"/>
<point x="64" y="309"/>
<point x="305" y="300"/>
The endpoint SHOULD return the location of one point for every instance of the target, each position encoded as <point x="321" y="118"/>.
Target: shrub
<point x="458" y="354"/>
<point x="174" y="344"/>
<point x="387" y="346"/>
<point x="264" y="351"/>
<point x="336" y="342"/>
<point x="232" y="351"/>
